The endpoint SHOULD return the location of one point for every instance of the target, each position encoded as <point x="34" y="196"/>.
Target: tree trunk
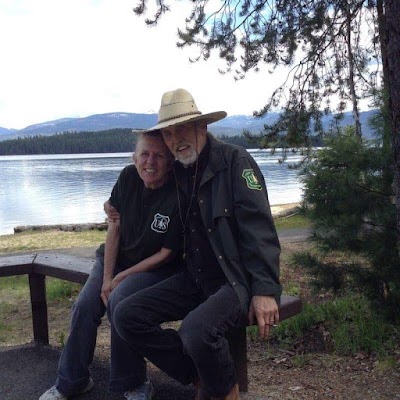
<point x="383" y="44"/>
<point x="352" y="85"/>
<point x="392" y="11"/>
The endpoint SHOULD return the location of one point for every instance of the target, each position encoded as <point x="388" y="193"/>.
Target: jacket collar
<point x="216" y="161"/>
<point x="216" y="158"/>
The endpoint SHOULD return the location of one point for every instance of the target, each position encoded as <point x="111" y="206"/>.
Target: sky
<point x="74" y="58"/>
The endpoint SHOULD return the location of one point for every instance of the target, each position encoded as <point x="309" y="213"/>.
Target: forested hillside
<point x="109" y="141"/>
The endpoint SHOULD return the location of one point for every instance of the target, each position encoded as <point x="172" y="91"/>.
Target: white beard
<point x="188" y="160"/>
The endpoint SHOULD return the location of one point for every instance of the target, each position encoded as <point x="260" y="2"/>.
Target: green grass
<point x="57" y="289"/>
<point x="47" y="240"/>
<point x="17" y="287"/>
<point x="4" y="331"/>
<point x="31" y="241"/>
<point x="348" y="325"/>
<point x="293" y="288"/>
<point x="387" y="364"/>
<point x="13" y="291"/>
<point x="295" y="221"/>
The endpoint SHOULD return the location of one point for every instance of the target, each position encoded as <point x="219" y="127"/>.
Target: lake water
<point x="58" y="189"/>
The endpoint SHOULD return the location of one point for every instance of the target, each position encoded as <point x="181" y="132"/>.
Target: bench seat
<point x="77" y="269"/>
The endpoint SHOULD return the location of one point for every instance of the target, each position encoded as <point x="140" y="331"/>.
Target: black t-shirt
<point x="149" y="218"/>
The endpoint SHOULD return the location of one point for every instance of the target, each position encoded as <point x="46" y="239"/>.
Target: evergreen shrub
<point x="348" y="192"/>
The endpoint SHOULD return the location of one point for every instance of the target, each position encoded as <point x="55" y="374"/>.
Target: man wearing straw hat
<point x="231" y="250"/>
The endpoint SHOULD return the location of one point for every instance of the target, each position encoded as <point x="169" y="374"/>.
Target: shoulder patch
<point x="251" y="179"/>
<point x="160" y="223"/>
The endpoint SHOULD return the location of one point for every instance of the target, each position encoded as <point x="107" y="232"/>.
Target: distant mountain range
<point x="230" y="126"/>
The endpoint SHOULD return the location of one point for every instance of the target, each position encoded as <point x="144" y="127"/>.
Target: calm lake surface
<point x="58" y="189"/>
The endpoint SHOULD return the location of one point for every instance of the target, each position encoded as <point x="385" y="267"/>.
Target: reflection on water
<point x="43" y="190"/>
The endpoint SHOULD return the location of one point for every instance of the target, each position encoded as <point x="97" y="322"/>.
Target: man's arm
<point x="258" y="243"/>
<point x="110" y="258"/>
<point x="148" y="264"/>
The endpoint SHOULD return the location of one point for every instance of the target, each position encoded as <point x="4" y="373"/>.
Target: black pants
<point x="199" y="350"/>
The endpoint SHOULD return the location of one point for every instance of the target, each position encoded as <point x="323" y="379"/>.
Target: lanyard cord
<point x="184" y="221"/>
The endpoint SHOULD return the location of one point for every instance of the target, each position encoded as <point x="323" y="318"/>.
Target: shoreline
<point x="278" y="211"/>
<point x="283" y="210"/>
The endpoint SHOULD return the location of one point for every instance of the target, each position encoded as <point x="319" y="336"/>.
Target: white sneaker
<point x="144" y="392"/>
<point x="54" y="394"/>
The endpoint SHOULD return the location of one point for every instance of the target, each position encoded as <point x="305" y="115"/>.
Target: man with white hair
<point x="231" y="251"/>
<point x="139" y="251"/>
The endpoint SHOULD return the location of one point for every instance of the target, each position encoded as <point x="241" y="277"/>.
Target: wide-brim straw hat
<point x="178" y="107"/>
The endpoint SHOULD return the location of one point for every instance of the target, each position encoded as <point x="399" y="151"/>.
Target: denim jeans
<point x="128" y="369"/>
<point x="199" y="349"/>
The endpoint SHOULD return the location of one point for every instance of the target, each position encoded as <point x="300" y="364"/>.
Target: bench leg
<point x="238" y="349"/>
<point x="37" y="286"/>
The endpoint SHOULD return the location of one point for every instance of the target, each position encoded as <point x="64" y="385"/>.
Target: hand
<point x="265" y="309"/>
<point x="117" y="280"/>
<point x="106" y="290"/>
<point x="111" y="212"/>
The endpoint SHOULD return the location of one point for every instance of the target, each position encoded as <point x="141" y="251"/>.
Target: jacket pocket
<point x="221" y="211"/>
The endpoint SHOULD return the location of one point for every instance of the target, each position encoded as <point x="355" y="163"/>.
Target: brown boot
<point x="232" y="395"/>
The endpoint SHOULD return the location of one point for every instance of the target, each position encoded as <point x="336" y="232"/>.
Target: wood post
<point x="37" y="286"/>
<point x="238" y="348"/>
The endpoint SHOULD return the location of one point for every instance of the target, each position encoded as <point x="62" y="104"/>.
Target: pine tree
<point x="349" y="204"/>
<point x="329" y="44"/>
<point x="343" y="49"/>
<point x="392" y="64"/>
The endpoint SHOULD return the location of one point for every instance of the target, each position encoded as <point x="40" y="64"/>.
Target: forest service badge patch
<point x="251" y="179"/>
<point x="160" y="223"/>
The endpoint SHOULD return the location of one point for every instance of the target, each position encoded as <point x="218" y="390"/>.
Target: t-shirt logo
<point x="160" y="223"/>
<point x="251" y="179"/>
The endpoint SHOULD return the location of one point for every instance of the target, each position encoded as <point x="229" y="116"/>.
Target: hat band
<point x="179" y="116"/>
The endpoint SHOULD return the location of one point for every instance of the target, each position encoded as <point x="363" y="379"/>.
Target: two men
<point x="232" y="254"/>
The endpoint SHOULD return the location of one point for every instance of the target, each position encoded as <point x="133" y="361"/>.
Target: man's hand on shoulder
<point x="265" y="310"/>
<point x="112" y="213"/>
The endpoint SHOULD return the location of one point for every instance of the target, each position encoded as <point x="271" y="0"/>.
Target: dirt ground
<point x="320" y="376"/>
<point x="274" y="373"/>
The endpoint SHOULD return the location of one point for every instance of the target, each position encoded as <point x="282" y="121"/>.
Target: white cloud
<point x="72" y="58"/>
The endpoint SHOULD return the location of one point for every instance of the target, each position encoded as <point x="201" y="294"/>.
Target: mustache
<point x="182" y="144"/>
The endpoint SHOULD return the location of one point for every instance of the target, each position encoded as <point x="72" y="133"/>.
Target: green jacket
<point x="235" y="210"/>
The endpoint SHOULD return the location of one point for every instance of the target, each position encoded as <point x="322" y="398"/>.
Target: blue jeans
<point x="199" y="349"/>
<point x="128" y="369"/>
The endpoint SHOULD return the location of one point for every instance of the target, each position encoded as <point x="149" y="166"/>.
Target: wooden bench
<point x="77" y="269"/>
<point x="38" y="266"/>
